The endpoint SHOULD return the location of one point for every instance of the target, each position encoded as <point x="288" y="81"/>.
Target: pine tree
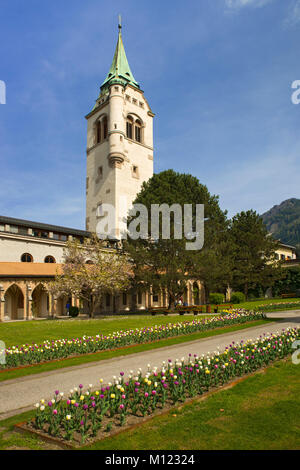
<point x="254" y="253"/>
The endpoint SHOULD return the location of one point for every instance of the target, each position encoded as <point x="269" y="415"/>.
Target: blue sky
<point x="217" y="73"/>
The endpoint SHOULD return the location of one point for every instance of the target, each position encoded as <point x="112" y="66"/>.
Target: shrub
<point x="74" y="311"/>
<point x="238" y="297"/>
<point x="216" y="298"/>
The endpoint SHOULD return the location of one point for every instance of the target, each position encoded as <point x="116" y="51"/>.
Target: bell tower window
<point x="98" y="132"/>
<point x="138" y="130"/>
<point x="129" y="127"/>
<point x="104" y="121"/>
<point x="101" y="130"/>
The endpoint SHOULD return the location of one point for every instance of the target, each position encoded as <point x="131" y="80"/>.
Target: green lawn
<point x="255" y="303"/>
<point x="18" y="333"/>
<point x="260" y="413"/>
<point x="75" y="361"/>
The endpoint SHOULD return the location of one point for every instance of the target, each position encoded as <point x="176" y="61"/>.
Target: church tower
<point x="119" y="143"/>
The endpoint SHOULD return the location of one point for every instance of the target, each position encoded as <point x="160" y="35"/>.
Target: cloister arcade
<point x="28" y="299"/>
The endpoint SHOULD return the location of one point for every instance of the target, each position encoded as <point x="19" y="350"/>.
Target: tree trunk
<point x="171" y="302"/>
<point x="91" y="307"/>
<point x="246" y="290"/>
<point x="206" y="292"/>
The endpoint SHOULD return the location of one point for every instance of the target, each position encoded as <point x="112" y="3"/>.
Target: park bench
<point x="181" y="309"/>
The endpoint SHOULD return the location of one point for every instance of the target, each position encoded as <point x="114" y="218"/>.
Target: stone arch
<point x="136" y="117"/>
<point x="14" y="303"/>
<point x="61" y="304"/>
<point x="40" y="304"/>
<point x="100" y="128"/>
<point x="134" y="127"/>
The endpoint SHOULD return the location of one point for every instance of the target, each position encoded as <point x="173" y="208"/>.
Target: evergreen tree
<point x="254" y="253"/>
<point x="167" y="264"/>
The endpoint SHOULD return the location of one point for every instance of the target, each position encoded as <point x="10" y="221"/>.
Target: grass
<point x="260" y="413"/>
<point x="249" y="305"/>
<point x="75" y="361"/>
<point x="18" y="333"/>
<point x="35" y="331"/>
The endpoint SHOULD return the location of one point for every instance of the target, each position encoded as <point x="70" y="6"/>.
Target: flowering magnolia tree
<point x="88" y="272"/>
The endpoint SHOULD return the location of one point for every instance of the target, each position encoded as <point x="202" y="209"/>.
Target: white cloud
<point x="237" y="4"/>
<point x="293" y="17"/>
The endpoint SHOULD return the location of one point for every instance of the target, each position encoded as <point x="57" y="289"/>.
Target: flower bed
<point x="85" y="413"/>
<point x="277" y="306"/>
<point x="62" y="348"/>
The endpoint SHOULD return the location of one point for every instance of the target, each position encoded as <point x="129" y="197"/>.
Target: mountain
<point x="283" y="221"/>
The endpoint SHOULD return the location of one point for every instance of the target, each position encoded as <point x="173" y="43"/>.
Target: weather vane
<point x="120" y="22"/>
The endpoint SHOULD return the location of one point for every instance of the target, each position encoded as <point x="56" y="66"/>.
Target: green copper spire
<point x="119" y="71"/>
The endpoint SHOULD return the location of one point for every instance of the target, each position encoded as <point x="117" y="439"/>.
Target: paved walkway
<point x="20" y="394"/>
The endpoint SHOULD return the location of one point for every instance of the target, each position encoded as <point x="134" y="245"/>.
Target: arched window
<point x="50" y="259"/>
<point x="129" y="127"/>
<point x="105" y="129"/>
<point x="26" y="258"/>
<point x="89" y="262"/>
<point x="138" y="131"/>
<point x="98" y="132"/>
